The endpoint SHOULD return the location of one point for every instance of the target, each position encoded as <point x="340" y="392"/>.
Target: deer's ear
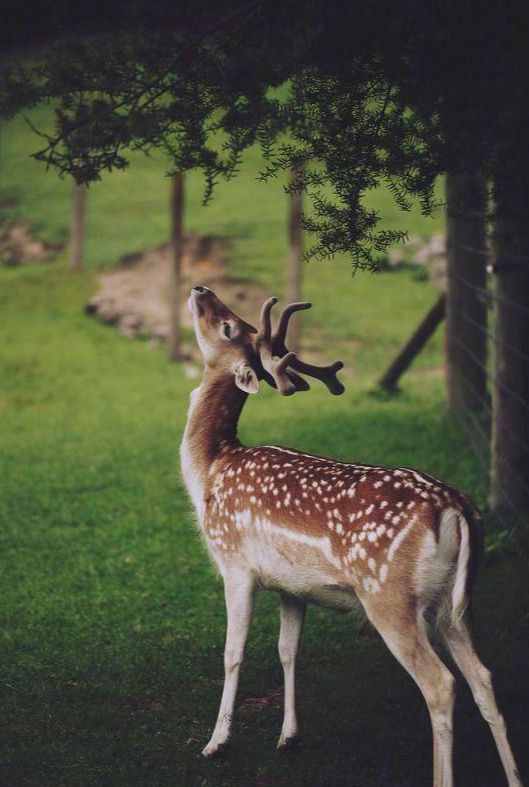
<point x="246" y="378"/>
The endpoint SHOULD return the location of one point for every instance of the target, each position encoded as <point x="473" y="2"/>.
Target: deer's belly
<point x="301" y="565"/>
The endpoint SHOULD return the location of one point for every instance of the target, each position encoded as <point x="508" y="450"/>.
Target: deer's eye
<point x="226" y="330"/>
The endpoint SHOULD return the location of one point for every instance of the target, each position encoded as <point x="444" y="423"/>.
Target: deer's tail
<point x="448" y="568"/>
<point x="461" y="533"/>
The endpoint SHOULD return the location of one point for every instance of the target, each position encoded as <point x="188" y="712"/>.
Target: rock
<point x="437" y="245"/>
<point x="437" y="272"/>
<point x="428" y="255"/>
<point x="396" y="257"/>
<point x="10" y="258"/>
<point x="106" y="311"/>
<point x="130" y="325"/>
<point x="17" y="245"/>
<point x="422" y="255"/>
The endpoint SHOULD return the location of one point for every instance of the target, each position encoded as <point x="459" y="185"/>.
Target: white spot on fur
<point x="371" y="585"/>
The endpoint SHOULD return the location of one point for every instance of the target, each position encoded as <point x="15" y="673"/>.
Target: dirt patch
<point x="135" y="296"/>
<point x="17" y="245"/>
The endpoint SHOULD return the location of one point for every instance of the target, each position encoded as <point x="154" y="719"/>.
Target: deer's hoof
<point x="213" y="749"/>
<point x="287" y="743"/>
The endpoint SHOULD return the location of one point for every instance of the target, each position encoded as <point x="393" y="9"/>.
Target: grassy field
<point x="112" y="617"/>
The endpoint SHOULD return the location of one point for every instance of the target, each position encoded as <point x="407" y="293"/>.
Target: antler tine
<point x="275" y="371"/>
<point x="282" y="325"/>
<point x="299" y="381"/>
<point x="265" y="328"/>
<point x="327" y="374"/>
<point x="285" y="385"/>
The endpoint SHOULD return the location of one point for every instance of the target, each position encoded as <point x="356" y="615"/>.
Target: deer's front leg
<point x="292" y="614"/>
<point x="239" y="593"/>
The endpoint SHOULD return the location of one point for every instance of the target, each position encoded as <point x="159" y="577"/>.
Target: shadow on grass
<point x="143" y="719"/>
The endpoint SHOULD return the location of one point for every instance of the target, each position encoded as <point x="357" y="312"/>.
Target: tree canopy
<point x="352" y="95"/>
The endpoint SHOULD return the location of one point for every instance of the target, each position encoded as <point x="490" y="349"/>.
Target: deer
<point x="397" y="544"/>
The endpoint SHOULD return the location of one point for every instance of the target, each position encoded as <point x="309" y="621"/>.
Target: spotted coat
<point x="357" y="516"/>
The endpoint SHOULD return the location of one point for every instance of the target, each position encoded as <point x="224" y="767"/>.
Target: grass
<point x="112" y="617"/>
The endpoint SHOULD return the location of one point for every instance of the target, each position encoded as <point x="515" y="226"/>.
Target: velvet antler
<point x="280" y="365"/>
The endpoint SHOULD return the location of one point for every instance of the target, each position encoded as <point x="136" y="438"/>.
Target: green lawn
<point x="112" y="617"/>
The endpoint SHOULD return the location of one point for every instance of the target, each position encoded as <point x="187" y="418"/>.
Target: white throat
<point x="190" y="472"/>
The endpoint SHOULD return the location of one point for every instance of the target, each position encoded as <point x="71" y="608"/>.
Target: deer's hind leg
<point x="292" y="616"/>
<point x="459" y="642"/>
<point x="404" y="632"/>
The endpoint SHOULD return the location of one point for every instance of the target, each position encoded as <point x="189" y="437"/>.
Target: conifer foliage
<point x="351" y="94"/>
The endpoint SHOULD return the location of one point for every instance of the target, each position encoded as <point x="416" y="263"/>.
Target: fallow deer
<point x="399" y="544"/>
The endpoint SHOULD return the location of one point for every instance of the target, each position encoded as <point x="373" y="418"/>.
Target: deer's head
<point x="236" y="348"/>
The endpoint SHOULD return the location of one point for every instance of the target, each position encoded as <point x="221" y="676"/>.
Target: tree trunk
<point x="294" y="262"/>
<point x="510" y="424"/>
<point x="177" y="211"/>
<point x="77" y="227"/>
<point x="466" y="310"/>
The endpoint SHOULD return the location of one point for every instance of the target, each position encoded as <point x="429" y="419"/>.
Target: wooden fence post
<point x="294" y="261"/>
<point x="414" y="345"/>
<point x="177" y="211"/>
<point x="510" y="402"/>
<point x="466" y="310"/>
<point x="77" y="227"/>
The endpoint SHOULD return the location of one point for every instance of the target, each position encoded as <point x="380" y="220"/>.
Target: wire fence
<point x="483" y="418"/>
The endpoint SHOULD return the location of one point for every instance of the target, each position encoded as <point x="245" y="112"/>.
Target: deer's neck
<point x="211" y="429"/>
